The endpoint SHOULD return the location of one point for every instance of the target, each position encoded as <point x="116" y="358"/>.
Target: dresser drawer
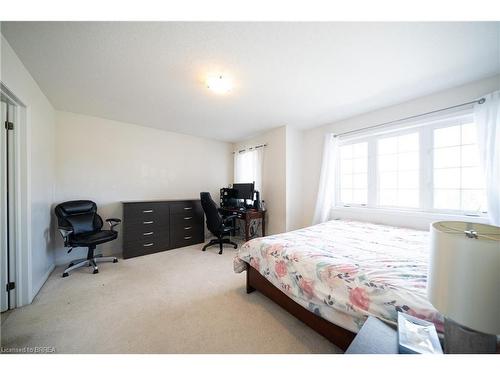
<point x="146" y="220"/>
<point x="187" y="226"/>
<point x="138" y="248"/>
<point x="185" y="239"/>
<point x="147" y="236"/>
<point x="185" y="219"/>
<point x="138" y="229"/>
<point x="136" y="213"/>
<point x="179" y="232"/>
<point x="186" y="207"/>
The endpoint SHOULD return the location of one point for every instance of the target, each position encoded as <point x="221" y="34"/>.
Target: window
<point x="248" y="166"/>
<point x="354" y="173"/>
<point x="433" y="166"/>
<point x="458" y="180"/>
<point x="398" y="170"/>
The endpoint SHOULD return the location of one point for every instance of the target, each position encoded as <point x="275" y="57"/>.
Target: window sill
<point x="401" y="218"/>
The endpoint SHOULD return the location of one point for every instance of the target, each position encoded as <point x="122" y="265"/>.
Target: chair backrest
<point x="81" y="216"/>
<point x="214" y="219"/>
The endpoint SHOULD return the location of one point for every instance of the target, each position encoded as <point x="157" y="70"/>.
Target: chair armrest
<point x="229" y="218"/>
<point x="113" y="222"/>
<point x="65" y="233"/>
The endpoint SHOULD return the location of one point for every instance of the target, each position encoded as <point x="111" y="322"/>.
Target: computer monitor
<point x="244" y="191"/>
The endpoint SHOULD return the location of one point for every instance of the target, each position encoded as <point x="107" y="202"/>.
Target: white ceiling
<point x="299" y="74"/>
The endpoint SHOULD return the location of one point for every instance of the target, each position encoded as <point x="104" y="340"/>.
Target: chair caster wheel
<point x="235" y="246"/>
<point x="220" y="252"/>
<point x="203" y="249"/>
<point x="95" y="271"/>
<point x="115" y="260"/>
<point x="65" y="274"/>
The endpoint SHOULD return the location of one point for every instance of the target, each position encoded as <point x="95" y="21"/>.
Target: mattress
<point x="345" y="271"/>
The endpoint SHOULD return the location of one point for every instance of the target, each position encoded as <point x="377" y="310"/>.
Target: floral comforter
<point x="345" y="270"/>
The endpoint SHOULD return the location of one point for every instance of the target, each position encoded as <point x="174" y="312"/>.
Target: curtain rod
<point x="478" y="101"/>
<point x="250" y="148"/>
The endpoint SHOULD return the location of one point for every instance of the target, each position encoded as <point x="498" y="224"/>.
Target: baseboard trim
<point x="42" y="282"/>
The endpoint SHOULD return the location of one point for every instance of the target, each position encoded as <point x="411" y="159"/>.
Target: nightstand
<point x="375" y="337"/>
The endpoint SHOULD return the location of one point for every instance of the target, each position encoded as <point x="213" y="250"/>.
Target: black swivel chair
<point x="80" y="226"/>
<point x="219" y="226"/>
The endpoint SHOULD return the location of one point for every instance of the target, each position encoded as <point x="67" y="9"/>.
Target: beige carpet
<point x="178" y="301"/>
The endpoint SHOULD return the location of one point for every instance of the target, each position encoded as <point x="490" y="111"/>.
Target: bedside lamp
<point x="464" y="284"/>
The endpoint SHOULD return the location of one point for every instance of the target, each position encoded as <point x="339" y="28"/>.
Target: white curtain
<point x="487" y="119"/>
<point x="326" y="190"/>
<point x="248" y="167"/>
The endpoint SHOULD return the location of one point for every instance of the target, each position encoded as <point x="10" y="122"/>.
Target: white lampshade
<point x="464" y="274"/>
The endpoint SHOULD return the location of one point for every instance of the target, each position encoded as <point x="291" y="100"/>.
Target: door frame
<point x="22" y="201"/>
<point x="5" y="260"/>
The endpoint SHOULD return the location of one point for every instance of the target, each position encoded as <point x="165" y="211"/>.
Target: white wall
<point x="40" y="173"/>
<point x="108" y="162"/>
<point x="313" y="139"/>
<point x="273" y="176"/>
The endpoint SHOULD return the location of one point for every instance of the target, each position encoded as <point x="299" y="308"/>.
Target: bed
<point x="334" y="275"/>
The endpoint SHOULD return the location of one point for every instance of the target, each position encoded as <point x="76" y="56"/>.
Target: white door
<point x="7" y="220"/>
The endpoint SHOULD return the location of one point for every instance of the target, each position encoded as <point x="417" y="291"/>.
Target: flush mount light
<point x="219" y="84"/>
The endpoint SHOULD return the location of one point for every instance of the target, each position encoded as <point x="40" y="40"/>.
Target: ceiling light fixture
<point x="219" y="84"/>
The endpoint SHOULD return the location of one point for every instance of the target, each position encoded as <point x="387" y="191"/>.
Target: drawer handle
<point x="147" y="234"/>
<point x="148" y="244"/>
<point x="188" y="208"/>
<point x="148" y="222"/>
<point x="147" y="211"/>
<point x="186" y="228"/>
<point x="188" y="237"/>
<point x="188" y="218"/>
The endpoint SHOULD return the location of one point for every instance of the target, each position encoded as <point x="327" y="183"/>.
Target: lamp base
<point x="462" y="340"/>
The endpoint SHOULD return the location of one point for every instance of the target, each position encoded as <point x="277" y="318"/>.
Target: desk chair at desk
<point x="247" y="215"/>
<point x="220" y="226"/>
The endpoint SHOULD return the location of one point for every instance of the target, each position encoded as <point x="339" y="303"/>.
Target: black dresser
<point x="152" y="226"/>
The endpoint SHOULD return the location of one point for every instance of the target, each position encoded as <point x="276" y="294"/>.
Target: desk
<point x="247" y="216"/>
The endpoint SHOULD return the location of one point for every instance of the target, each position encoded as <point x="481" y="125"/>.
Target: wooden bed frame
<point x="335" y="334"/>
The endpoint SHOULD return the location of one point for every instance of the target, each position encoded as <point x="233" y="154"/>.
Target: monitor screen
<point x="244" y="191"/>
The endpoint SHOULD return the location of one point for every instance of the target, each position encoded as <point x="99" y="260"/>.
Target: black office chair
<point x="80" y="226"/>
<point x="218" y="225"/>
